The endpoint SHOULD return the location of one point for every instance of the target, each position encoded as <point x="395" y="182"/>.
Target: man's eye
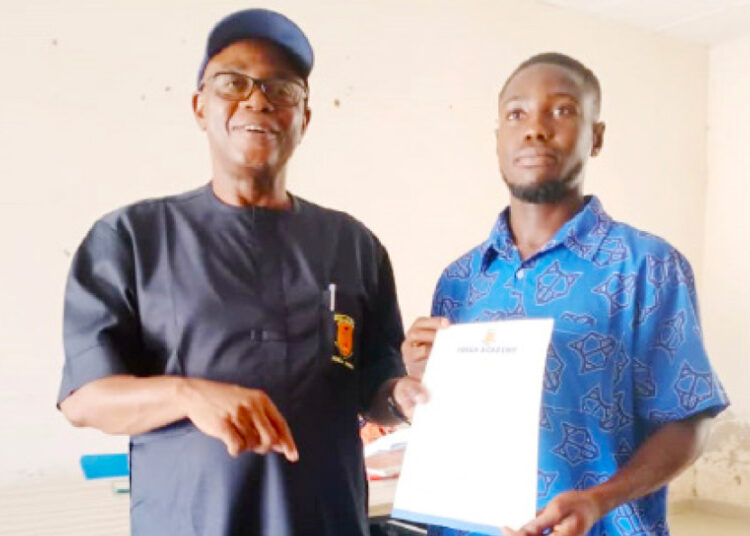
<point x="284" y="92"/>
<point x="279" y="89"/>
<point x="233" y="83"/>
<point x="561" y="111"/>
<point x="513" y="115"/>
<point x="238" y="83"/>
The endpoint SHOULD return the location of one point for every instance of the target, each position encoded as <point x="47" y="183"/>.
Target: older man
<point x="236" y="331"/>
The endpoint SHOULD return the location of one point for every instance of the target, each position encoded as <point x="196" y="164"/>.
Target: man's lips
<point x="254" y="128"/>
<point x="535" y="158"/>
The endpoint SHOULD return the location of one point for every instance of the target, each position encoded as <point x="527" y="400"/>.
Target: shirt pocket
<point x="323" y="380"/>
<point x="342" y="327"/>
<point x="323" y="342"/>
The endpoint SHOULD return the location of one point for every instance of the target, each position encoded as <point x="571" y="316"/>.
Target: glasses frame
<point x="256" y="82"/>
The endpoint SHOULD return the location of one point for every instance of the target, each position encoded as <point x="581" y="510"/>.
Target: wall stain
<point x="722" y="473"/>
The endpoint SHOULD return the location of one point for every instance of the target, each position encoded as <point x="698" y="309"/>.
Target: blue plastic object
<point x="104" y="465"/>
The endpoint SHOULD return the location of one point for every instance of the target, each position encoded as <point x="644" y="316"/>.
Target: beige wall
<point x="723" y="474"/>
<point x="96" y="114"/>
<point x="726" y="300"/>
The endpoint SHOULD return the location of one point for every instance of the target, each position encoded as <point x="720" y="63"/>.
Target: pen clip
<point x="332" y="296"/>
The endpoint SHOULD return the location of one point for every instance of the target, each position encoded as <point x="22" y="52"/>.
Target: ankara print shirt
<point x="626" y="355"/>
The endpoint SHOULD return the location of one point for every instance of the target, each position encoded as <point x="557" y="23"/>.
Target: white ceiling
<point x="705" y="21"/>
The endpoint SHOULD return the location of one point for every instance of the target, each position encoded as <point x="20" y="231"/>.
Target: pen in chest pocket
<point x="332" y="296"/>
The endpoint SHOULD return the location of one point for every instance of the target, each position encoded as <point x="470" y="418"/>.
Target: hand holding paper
<point x="417" y="345"/>
<point x="485" y="384"/>
<point x="571" y="513"/>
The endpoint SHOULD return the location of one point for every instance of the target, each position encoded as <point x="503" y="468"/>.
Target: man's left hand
<point x="571" y="513"/>
<point x="408" y="392"/>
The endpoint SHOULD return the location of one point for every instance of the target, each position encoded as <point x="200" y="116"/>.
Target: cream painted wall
<point x="726" y="300"/>
<point x="96" y="114"/>
<point x="723" y="473"/>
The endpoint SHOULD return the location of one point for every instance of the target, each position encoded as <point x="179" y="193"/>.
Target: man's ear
<point x="198" y="109"/>
<point x="598" y="141"/>
<point x="308" y="115"/>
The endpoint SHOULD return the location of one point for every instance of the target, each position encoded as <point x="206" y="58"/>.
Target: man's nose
<point x="537" y="128"/>
<point x="257" y="100"/>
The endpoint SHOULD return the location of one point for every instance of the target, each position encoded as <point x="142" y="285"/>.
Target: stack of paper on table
<point x="385" y="455"/>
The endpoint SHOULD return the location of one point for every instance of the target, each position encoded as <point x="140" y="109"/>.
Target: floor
<point x="62" y="508"/>
<point x="696" y="523"/>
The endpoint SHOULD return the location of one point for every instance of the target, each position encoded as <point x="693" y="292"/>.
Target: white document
<point x="471" y="461"/>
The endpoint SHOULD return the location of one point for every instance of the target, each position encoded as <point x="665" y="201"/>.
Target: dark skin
<point x="547" y="130"/>
<point x="249" y="169"/>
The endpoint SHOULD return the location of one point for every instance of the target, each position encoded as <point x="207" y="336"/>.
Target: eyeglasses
<point x="238" y="87"/>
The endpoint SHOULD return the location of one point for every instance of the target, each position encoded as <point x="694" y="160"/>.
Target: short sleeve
<point x="100" y="327"/>
<point x="673" y="378"/>
<point x="446" y="300"/>
<point x="382" y="336"/>
<point x="435" y="310"/>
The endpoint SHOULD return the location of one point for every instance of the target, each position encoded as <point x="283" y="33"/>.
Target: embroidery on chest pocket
<point x="344" y="341"/>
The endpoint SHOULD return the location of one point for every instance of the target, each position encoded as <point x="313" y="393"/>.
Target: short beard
<point x="549" y="192"/>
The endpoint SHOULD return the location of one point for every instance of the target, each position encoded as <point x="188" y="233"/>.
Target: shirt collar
<point x="582" y="234"/>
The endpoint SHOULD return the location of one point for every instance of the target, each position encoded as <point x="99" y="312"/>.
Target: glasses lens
<point x="283" y="92"/>
<point x="232" y="85"/>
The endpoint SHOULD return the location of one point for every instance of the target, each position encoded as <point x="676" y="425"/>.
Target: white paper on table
<point x="471" y="461"/>
<point x="388" y="443"/>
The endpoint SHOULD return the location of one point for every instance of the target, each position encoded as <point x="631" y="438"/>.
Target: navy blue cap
<point x="259" y="24"/>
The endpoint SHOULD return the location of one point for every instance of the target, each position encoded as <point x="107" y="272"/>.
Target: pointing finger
<point x="285" y="438"/>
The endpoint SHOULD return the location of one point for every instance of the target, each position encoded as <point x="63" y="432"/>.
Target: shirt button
<point x="520" y="273"/>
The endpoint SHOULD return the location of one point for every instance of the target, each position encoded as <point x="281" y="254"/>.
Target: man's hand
<point x="244" y="419"/>
<point x="571" y="513"/>
<point x="408" y="392"/>
<point x="658" y="460"/>
<point x="417" y="346"/>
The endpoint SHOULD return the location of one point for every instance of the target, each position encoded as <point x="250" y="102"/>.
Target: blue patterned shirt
<point x="626" y="355"/>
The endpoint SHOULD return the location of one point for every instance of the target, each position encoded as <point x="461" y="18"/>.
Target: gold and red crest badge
<point x="344" y="340"/>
